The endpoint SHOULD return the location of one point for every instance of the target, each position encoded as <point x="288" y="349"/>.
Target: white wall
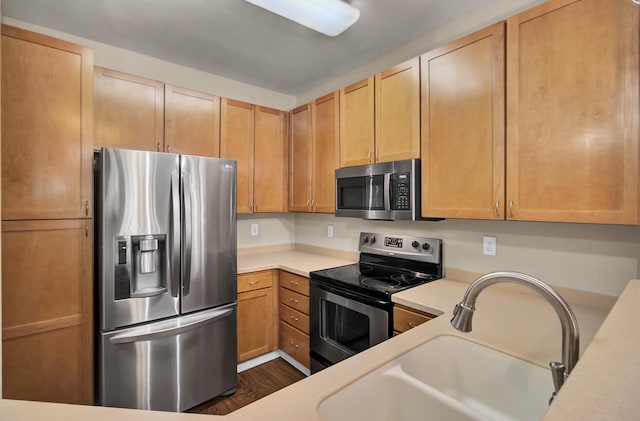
<point x="273" y="229"/>
<point x="142" y="65"/>
<point x="597" y="258"/>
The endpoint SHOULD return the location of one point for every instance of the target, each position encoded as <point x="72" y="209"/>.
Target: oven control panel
<point x="404" y="246"/>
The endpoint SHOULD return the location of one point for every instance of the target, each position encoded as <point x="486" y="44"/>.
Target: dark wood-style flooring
<point x="253" y="384"/>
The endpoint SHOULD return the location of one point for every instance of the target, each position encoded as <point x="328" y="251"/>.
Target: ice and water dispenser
<point x="140" y="266"/>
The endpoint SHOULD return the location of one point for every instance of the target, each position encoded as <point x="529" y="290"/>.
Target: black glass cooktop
<point x="373" y="280"/>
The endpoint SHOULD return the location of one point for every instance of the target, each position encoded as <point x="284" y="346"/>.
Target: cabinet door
<point x="47" y="299"/>
<point x="326" y="134"/>
<point x="572" y="124"/>
<point x="236" y="142"/>
<point x="192" y="122"/>
<point x="463" y="119"/>
<point x="397" y="120"/>
<point x="47" y="126"/>
<point x="270" y="161"/>
<point x="255" y="323"/>
<point x="356" y="124"/>
<point x="300" y="160"/>
<point x="129" y="111"/>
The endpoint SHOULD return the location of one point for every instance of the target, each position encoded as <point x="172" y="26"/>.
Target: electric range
<point x="350" y="306"/>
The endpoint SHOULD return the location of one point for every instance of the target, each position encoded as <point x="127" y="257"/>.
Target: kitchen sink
<point x="446" y="378"/>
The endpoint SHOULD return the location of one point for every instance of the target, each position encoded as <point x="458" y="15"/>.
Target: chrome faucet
<point x="463" y="314"/>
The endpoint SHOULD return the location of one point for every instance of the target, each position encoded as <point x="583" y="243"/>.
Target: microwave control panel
<point x="401" y="191"/>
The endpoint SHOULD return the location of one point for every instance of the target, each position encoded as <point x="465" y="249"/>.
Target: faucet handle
<point x="558" y="375"/>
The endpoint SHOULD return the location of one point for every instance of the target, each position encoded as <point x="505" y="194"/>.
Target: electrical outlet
<point x="489" y="245"/>
<point x="254" y="229"/>
<point x="330" y="231"/>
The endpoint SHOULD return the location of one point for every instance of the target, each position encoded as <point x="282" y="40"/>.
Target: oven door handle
<point x="351" y="295"/>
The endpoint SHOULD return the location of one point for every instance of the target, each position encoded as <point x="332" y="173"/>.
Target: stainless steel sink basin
<point x="446" y="378"/>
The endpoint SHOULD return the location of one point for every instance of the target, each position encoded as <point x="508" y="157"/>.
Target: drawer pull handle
<point x="294" y="283"/>
<point x="411" y="324"/>
<point x="294" y="301"/>
<point x="253" y="282"/>
<point x="294" y="318"/>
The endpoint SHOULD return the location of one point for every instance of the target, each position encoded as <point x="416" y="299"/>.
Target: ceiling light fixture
<point x="330" y="17"/>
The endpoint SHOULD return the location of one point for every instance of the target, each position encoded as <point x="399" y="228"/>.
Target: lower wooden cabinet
<point x="294" y="343"/>
<point x="273" y="312"/>
<point x="257" y="330"/>
<point x="405" y="318"/>
<point x="294" y="316"/>
<point x="47" y="306"/>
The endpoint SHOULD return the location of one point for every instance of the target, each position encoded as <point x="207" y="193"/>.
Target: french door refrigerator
<point x="165" y="279"/>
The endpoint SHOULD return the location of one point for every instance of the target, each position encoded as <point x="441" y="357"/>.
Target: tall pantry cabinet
<point x="47" y="227"/>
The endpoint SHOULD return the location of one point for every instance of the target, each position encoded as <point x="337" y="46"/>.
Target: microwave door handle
<point x="387" y="192"/>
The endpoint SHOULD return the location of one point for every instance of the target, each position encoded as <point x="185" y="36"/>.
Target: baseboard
<point x="254" y="362"/>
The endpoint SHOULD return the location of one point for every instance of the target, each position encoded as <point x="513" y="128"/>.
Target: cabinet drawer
<point x="294" y="343"/>
<point x="293" y="317"/>
<point x="294" y="282"/>
<point x="254" y="280"/>
<point x="294" y="300"/>
<point x="405" y="319"/>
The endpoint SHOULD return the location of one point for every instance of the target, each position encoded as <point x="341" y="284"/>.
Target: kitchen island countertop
<point x="603" y="385"/>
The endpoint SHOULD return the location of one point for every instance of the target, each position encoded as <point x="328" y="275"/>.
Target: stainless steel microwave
<point x="388" y="191"/>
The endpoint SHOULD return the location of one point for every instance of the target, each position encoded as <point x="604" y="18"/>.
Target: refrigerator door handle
<point x="175" y="235"/>
<point x="186" y="279"/>
<point x="149" y="333"/>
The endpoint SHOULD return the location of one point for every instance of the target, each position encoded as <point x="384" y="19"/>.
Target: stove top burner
<point x="404" y="277"/>
<point x="380" y="283"/>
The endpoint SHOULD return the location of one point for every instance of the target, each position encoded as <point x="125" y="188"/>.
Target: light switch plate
<point x="330" y="231"/>
<point x="254" y="229"/>
<point x="489" y="245"/>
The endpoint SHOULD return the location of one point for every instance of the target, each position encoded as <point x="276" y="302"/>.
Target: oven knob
<point x="415" y="244"/>
<point x="426" y="246"/>
<point x="373" y="240"/>
<point x="365" y="239"/>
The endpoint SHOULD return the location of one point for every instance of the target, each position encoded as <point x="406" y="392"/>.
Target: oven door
<point x="341" y="324"/>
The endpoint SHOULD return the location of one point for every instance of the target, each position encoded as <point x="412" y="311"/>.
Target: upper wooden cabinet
<point x="301" y="148"/>
<point x="270" y="161"/>
<point x="129" y="111"/>
<point x="398" y="112"/>
<point x="236" y="142"/>
<point x="255" y="137"/>
<point x="191" y="122"/>
<point x="463" y="135"/>
<point x="572" y="112"/>
<point x="47" y="127"/>
<point x="314" y="155"/>
<point x="380" y="117"/>
<point x="357" y="130"/>
<point x="326" y="134"/>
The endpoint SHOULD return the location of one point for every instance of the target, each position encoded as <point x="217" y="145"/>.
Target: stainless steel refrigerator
<point x="165" y="279"/>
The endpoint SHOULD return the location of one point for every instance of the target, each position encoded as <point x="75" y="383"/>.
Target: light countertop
<point x="603" y="385"/>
